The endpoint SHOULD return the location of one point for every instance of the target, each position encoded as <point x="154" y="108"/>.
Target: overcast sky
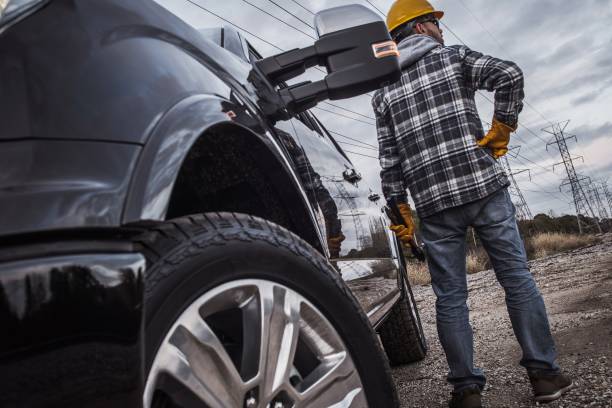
<point x="563" y="47"/>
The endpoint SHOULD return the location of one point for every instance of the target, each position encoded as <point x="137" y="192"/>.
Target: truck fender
<point x="170" y="141"/>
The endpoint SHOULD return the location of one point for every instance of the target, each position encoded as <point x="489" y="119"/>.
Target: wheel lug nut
<point x="251" y="402"/>
<point x="278" y="405"/>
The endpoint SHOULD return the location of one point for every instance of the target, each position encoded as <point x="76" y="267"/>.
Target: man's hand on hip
<point x="497" y="138"/>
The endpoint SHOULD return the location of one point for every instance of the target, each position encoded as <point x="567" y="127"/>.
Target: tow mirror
<point x="355" y="48"/>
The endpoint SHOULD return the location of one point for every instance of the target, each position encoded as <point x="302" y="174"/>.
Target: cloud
<point x="564" y="48"/>
<point x="587" y="133"/>
<point x="597" y="153"/>
<point x="589" y="97"/>
<point x="581" y="76"/>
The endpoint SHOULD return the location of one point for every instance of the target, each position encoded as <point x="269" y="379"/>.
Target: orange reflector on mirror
<point x="385" y="49"/>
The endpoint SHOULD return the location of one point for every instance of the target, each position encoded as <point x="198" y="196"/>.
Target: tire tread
<point x="400" y="335"/>
<point x="160" y="242"/>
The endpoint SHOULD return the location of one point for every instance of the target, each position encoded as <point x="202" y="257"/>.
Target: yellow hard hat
<point x="402" y="11"/>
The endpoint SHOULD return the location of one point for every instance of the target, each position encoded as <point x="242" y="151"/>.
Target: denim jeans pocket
<point x="499" y="207"/>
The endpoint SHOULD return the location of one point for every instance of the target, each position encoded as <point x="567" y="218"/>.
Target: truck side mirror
<point x="354" y="46"/>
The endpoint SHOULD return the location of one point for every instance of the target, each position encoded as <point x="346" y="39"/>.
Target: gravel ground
<point x="577" y="289"/>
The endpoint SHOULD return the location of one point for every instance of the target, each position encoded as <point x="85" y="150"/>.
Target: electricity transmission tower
<point x="574" y="180"/>
<point x="596" y="198"/>
<point x="353" y="211"/>
<point x="522" y="209"/>
<point x="604" y="188"/>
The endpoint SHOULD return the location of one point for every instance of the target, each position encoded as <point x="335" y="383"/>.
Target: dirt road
<point x="577" y="288"/>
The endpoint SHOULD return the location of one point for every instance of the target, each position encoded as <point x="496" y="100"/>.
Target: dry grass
<point x="538" y="246"/>
<point x="477" y="261"/>
<point x="552" y="243"/>
<point x="418" y="274"/>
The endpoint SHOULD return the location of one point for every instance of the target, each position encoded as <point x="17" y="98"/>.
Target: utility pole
<point x="522" y="209"/>
<point x="575" y="181"/>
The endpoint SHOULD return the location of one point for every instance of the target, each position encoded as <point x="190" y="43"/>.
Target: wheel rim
<point x="253" y="343"/>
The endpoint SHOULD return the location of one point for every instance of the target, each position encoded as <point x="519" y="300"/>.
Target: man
<point x="431" y="141"/>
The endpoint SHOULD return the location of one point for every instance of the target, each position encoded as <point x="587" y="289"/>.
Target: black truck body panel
<point x="72" y="329"/>
<point x="101" y="104"/>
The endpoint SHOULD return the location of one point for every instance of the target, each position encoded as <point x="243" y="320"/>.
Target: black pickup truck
<point x="177" y="229"/>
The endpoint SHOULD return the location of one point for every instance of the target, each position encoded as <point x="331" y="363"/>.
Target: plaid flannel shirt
<point x="428" y="126"/>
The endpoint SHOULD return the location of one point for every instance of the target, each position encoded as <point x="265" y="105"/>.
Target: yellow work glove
<point x="497" y="138"/>
<point x="334" y="244"/>
<point x="405" y="230"/>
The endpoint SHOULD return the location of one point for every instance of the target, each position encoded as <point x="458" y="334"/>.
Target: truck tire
<point x="401" y="333"/>
<point x="240" y="312"/>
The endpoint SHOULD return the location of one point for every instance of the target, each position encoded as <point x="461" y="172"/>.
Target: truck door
<point x="352" y="224"/>
<point x="356" y="232"/>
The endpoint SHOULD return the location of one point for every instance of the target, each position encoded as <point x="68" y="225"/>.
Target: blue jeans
<point x="444" y="235"/>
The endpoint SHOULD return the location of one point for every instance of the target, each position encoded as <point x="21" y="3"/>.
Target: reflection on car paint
<point x="374" y="282"/>
<point x="317" y="194"/>
<point x="77" y="316"/>
<point x="362" y="225"/>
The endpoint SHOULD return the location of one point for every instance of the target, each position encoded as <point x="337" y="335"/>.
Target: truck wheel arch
<point x="198" y="125"/>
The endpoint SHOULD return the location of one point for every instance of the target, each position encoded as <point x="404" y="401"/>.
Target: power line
<point x="348" y="110"/>
<point x="492" y="102"/>
<point x="250" y="33"/>
<point x="567" y="208"/>
<point x="577" y="183"/>
<point x="372" y="147"/>
<point x="519" y="123"/>
<point x="536" y="184"/>
<point x="532" y="162"/>
<point x="499" y="45"/>
<point x="369" y="117"/>
<point x="360" y="154"/>
<point x="503" y="49"/>
<point x="236" y="25"/>
<point x="292" y="26"/>
<point x="554" y="193"/>
<point x="279" y="19"/>
<point x="531" y="131"/>
<point x="483" y="27"/>
<point x="452" y="32"/>
<point x="595" y="197"/>
<point x="344" y="116"/>
<point x="481" y="94"/>
<point x="374" y="5"/>
<point x="536" y="111"/>
<point x="281" y="49"/>
<point x="350" y="138"/>
<point x="548" y="193"/>
<point x="522" y="209"/>
<point x="296" y="2"/>
<point x="313" y="13"/>
<point x="290" y="13"/>
<point x="556" y="198"/>
<point x="542" y="191"/>
<point x="356" y="145"/>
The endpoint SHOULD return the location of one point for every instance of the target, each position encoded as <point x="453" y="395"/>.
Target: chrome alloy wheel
<point x="254" y="343"/>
